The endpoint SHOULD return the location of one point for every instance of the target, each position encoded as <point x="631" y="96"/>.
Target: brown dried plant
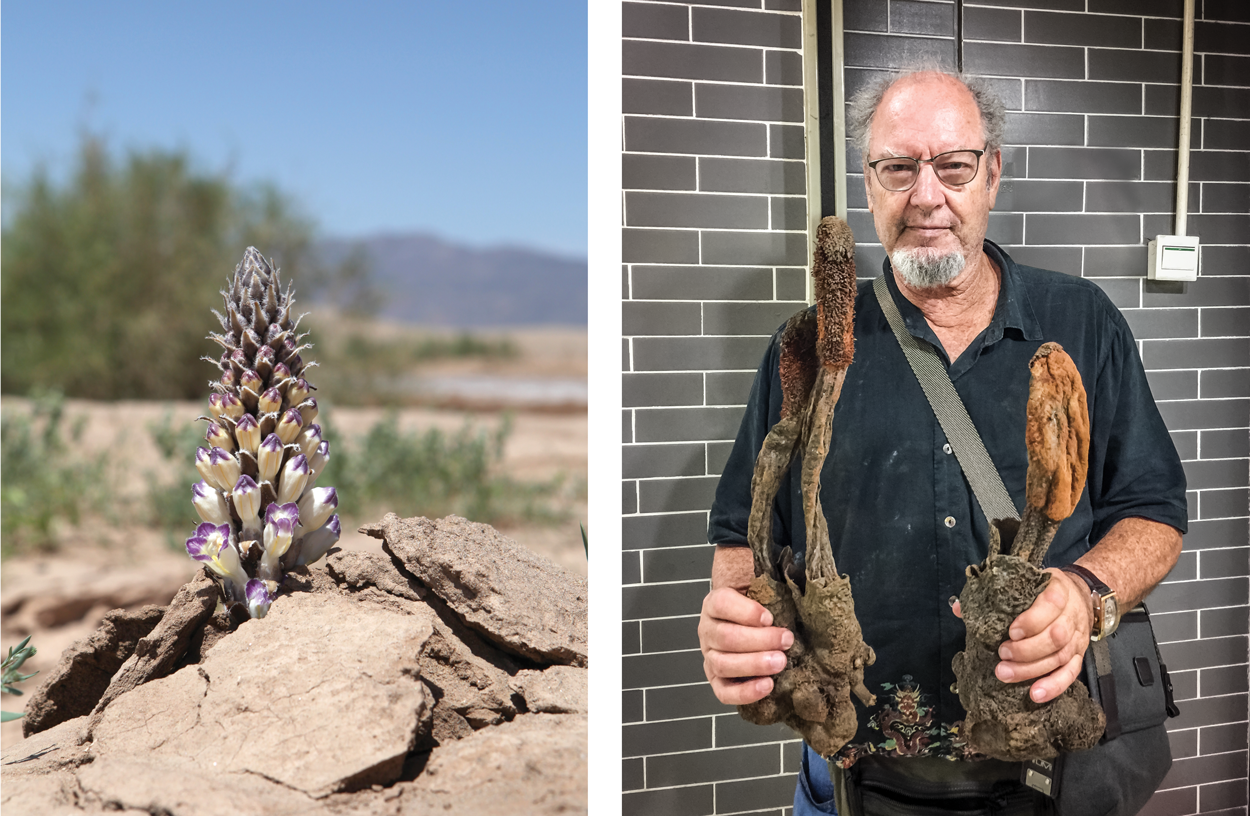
<point x="826" y="663"/>
<point x="1003" y="721"/>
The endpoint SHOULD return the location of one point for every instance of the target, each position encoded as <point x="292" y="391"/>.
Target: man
<point x="903" y="522"/>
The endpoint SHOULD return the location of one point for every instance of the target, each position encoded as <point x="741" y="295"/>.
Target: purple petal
<point x="257" y="593"/>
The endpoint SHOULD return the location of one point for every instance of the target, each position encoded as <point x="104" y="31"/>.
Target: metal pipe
<point x="959" y="36"/>
<point x="1187" y="93"/>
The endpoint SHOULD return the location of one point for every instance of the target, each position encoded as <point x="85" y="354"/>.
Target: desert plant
<point x="433" y="473"/>
<point x="47" y="480"/>
<point x="261" y="512"/>
<point x="16" y="657"/>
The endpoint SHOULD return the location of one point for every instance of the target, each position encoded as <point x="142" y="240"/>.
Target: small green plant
<point x="47" y="479"/>
<point x="17" y="656"/>
<point x="167" y="499"/>
<point x="433" y="473"/>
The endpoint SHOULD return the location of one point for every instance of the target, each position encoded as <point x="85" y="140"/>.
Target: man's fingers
<point x="1055" y="683"/>
<point x="1046" y="608"/>
<point x="1058" y="638"/>
<point x="731" y="666"/>
<point x="730" y="605"/>
<point x="741" y="692"/>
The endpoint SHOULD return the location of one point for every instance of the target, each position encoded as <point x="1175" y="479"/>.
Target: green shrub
<point x="47" y="481"/>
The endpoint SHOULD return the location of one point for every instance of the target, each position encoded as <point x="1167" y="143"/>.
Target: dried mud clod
<point x="826" y="663"/>
<point x="1002" y="721"/>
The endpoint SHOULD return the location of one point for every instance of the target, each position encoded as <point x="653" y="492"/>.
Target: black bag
<point x="1120" y="774"/>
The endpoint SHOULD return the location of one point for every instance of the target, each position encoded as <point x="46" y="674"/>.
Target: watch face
<point x="1110" y="608"/>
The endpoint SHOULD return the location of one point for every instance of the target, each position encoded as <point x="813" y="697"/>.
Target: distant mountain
<point x="426" y="279"/>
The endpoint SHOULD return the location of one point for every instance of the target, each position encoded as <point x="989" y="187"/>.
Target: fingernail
<point x="766" y="619"/>
<point x="1005" y="674"/>
<point x="1037" y="694"/>
<point x="777" y="662"/>
<point x="1004" y="652"/>
<point x="787" y="639"/>
<point x="1016" y="634"/>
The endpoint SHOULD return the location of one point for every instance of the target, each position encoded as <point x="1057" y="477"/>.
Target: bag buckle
<point x="1042" y="775"/>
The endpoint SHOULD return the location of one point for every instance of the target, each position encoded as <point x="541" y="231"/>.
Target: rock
<point x="83" y="673"/>
<point x="155" y="655"/>
<point x="535" y="764"/>
<point x="321" y="695"/>
<point x="468" y="676"/>
<point x="168" y="785"/>
<point x="555" y="690"/>
<point x="39" y="771"/>
<point x="519" y="600"/>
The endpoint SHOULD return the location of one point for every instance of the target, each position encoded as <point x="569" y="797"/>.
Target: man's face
<point x="920" y="118"/>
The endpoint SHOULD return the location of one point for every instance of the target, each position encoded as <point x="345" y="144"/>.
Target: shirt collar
<point x="1013" y="310"/>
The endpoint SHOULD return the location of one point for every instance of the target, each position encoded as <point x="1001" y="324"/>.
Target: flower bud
<point x="225" y="467"/>
<point x="214" y="405"/>
<point x="248" y="433"/>
<point x="297" y="392"/>
<point x="269" y="457"/>
<point x="318" y="542"/>
<point x="317" y="462"/>
<point x="280" y="521"/>
<point x="316" y="506"/>
<point x="231" y="406"/>
<point x="289" y="426"/>
<point x="203" y="463"/>
<point x="219" y="437"/>
<point x="246" y="497"/>
<point x="264" y="361"/>
<point x="309" y="438"/>
<point x="293" y="479"/>
<point x="209" y="503"/>
<point x="308" y="410"/>
<point x="270" y="400"/>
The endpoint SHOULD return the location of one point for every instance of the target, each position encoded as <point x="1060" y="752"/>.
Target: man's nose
<point x="928" y="191"/>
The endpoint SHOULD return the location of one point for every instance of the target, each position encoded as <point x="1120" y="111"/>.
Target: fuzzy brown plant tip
<point x="826" y="663"/>
<point x="261" y="509"/>
<point x="1002" y="720"/>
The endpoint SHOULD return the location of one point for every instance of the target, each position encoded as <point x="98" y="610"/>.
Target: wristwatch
<point x="1106" y="604"/>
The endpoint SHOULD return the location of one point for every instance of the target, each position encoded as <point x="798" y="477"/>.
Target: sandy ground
<point x="60" y="597"/>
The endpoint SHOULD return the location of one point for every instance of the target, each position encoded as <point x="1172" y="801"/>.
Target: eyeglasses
<point x="955" y="168"/>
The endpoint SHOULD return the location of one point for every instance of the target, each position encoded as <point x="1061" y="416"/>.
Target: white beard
<point x="927" y="268"/>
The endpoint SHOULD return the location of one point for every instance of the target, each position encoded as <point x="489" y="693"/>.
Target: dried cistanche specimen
<point x="812" y="694"/>
<point x="261" y="512"/>
<point x="1002" y="721"/>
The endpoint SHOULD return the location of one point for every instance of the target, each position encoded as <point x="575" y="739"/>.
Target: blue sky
<point x="463" y="119"/>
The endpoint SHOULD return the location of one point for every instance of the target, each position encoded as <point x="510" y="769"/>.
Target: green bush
<point x="431" y="474"/>
<point x="107" y="279"/>
<point x="47" y="481"/>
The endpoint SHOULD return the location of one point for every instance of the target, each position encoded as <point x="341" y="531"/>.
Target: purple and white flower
<point x="209" y="503"/>
<point x="317" y="543"/>
<point x="214" y="545"/>
<point x="258" y="598"/>
<point x="289" y="425"/>
<point x="293" y="479"/>
<point x="269" y="457"/>
<point x="316" y="506"/>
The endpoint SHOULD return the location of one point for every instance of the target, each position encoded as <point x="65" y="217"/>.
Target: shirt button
<point x="950" y="521"/>
<point x="946" y="448"/>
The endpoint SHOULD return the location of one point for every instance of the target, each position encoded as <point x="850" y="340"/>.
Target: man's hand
<point x="741" y="647"/>
<point x="1048" y="640"/>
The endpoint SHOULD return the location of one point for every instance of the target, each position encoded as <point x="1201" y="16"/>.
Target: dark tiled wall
<point x="714" y="246"/>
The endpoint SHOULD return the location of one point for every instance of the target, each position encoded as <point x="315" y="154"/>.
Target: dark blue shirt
<point x="890" y="488"/>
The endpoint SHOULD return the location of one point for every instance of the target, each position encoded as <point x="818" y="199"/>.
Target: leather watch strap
<point x="1093" y="581"/>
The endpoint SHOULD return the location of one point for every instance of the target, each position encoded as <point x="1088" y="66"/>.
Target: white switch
<point x="1173" y="258"/>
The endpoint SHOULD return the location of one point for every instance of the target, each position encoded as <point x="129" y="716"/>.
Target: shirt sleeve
<point x="727" y="524"/>
<point x="1134" y="469"/>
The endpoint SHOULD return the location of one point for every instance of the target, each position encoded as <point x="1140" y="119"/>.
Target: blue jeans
<point x="814" y="793"/>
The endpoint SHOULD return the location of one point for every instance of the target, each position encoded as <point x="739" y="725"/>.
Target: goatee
<point x="926" y="267"/>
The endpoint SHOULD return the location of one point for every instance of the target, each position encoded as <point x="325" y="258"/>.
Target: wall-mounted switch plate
<point x="1173" y="258"/>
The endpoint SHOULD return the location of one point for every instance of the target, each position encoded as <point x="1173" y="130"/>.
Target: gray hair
<point x="863" y="106"/>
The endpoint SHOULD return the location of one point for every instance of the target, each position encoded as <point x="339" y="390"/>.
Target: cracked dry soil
<point x="366" y="689"/>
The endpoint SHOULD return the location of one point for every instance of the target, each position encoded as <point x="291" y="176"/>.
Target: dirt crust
<point x="362" y="691"/>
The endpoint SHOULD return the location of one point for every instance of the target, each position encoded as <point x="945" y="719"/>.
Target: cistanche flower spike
<point x="263" y="450"/>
